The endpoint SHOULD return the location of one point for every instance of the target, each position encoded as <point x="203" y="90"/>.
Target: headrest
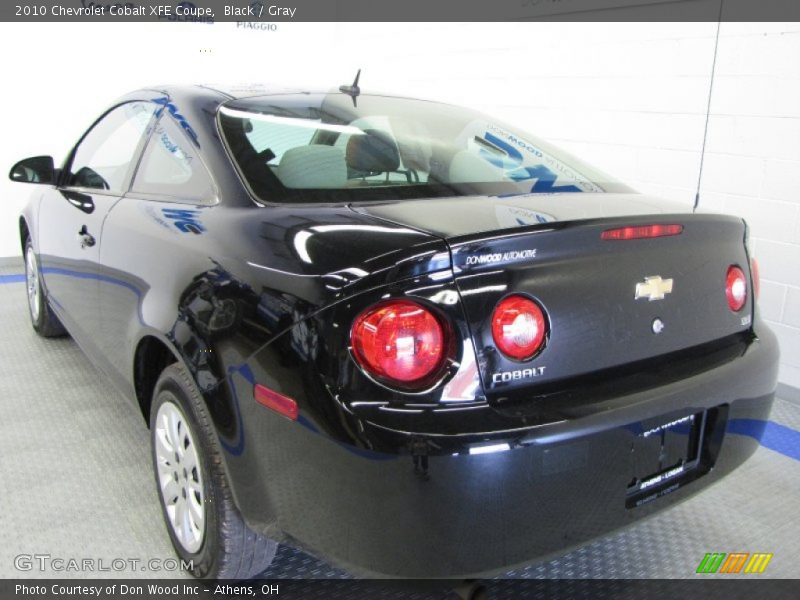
<point x="374" y="150"/>
<point x="313" y="166"/>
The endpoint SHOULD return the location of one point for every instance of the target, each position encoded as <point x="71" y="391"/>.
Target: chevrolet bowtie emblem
<point x="653" y="288"/>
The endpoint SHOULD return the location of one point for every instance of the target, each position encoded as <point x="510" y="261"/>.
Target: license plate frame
<point x="666" y="453"/>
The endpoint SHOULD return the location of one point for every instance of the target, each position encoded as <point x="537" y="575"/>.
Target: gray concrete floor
<point x="75" y="482"/>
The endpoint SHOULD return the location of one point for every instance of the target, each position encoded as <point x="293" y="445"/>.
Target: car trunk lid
<point x="587" y="285"/>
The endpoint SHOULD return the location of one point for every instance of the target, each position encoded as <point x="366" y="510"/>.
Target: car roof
<point x="245" y="90"/>
<point x="252" y="90"/>
<point x="230" y="91"/>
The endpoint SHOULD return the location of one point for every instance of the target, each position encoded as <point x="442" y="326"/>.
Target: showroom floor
<point x="76" y="481"/>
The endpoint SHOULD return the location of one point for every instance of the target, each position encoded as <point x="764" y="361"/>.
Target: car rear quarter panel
<point x="234" y="280"/>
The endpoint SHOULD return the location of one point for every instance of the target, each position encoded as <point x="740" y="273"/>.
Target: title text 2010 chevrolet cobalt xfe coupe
<point x="400" y="334"/>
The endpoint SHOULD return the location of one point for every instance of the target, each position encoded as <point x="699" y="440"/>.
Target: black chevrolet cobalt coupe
<point x="402" y="335"/>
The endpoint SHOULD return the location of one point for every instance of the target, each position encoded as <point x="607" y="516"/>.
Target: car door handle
<point x="79" y="201"/>
<point x="85" y="238"/>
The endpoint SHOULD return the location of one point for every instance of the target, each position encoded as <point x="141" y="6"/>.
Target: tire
<point x="216" y="540"/>
<point x="43" y="319"/>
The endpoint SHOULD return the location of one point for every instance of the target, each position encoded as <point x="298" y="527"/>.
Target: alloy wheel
<point x="180" y="476"/>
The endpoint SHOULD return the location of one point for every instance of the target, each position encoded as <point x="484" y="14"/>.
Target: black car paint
<point x="369" y="477"/>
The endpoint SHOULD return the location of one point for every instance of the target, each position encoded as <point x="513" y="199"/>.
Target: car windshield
<point x="332" y="148"/>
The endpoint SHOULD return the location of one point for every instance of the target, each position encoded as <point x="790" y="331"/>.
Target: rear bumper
<point x="560" y="486"/>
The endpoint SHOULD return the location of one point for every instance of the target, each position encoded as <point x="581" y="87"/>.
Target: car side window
<point x="105" y="156"/>
<point x="171" y="167"/>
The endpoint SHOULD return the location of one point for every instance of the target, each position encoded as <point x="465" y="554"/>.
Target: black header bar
<point x="212" y="11"/>
<point x="733" y="588"/>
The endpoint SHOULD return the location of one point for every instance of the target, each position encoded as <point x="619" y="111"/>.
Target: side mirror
<point x="38" y="169"/>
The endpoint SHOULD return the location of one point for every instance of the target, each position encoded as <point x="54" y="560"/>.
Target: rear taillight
<point x="518" y="327"/>
<point x="756" y="274"/>
<point x="736" y="288"/>
<point x="401" y="343"/>
<point x="641" y="232"/>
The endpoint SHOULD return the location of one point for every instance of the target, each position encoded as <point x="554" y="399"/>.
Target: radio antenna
<point x="352" y="90"/>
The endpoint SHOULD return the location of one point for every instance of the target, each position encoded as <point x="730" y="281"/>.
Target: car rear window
<point x="334" y="148"/>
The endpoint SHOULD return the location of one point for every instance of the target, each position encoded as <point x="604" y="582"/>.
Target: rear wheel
<point x="44" y="321"/>
<point x="204" y="524"/>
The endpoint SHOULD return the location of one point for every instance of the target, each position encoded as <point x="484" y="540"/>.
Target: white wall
<point x="630" y="98"/>
<point x="752" y="164"/>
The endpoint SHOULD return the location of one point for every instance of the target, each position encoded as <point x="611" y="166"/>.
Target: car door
<point x="152" y="245"/>
<point x="95" y="176"/>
